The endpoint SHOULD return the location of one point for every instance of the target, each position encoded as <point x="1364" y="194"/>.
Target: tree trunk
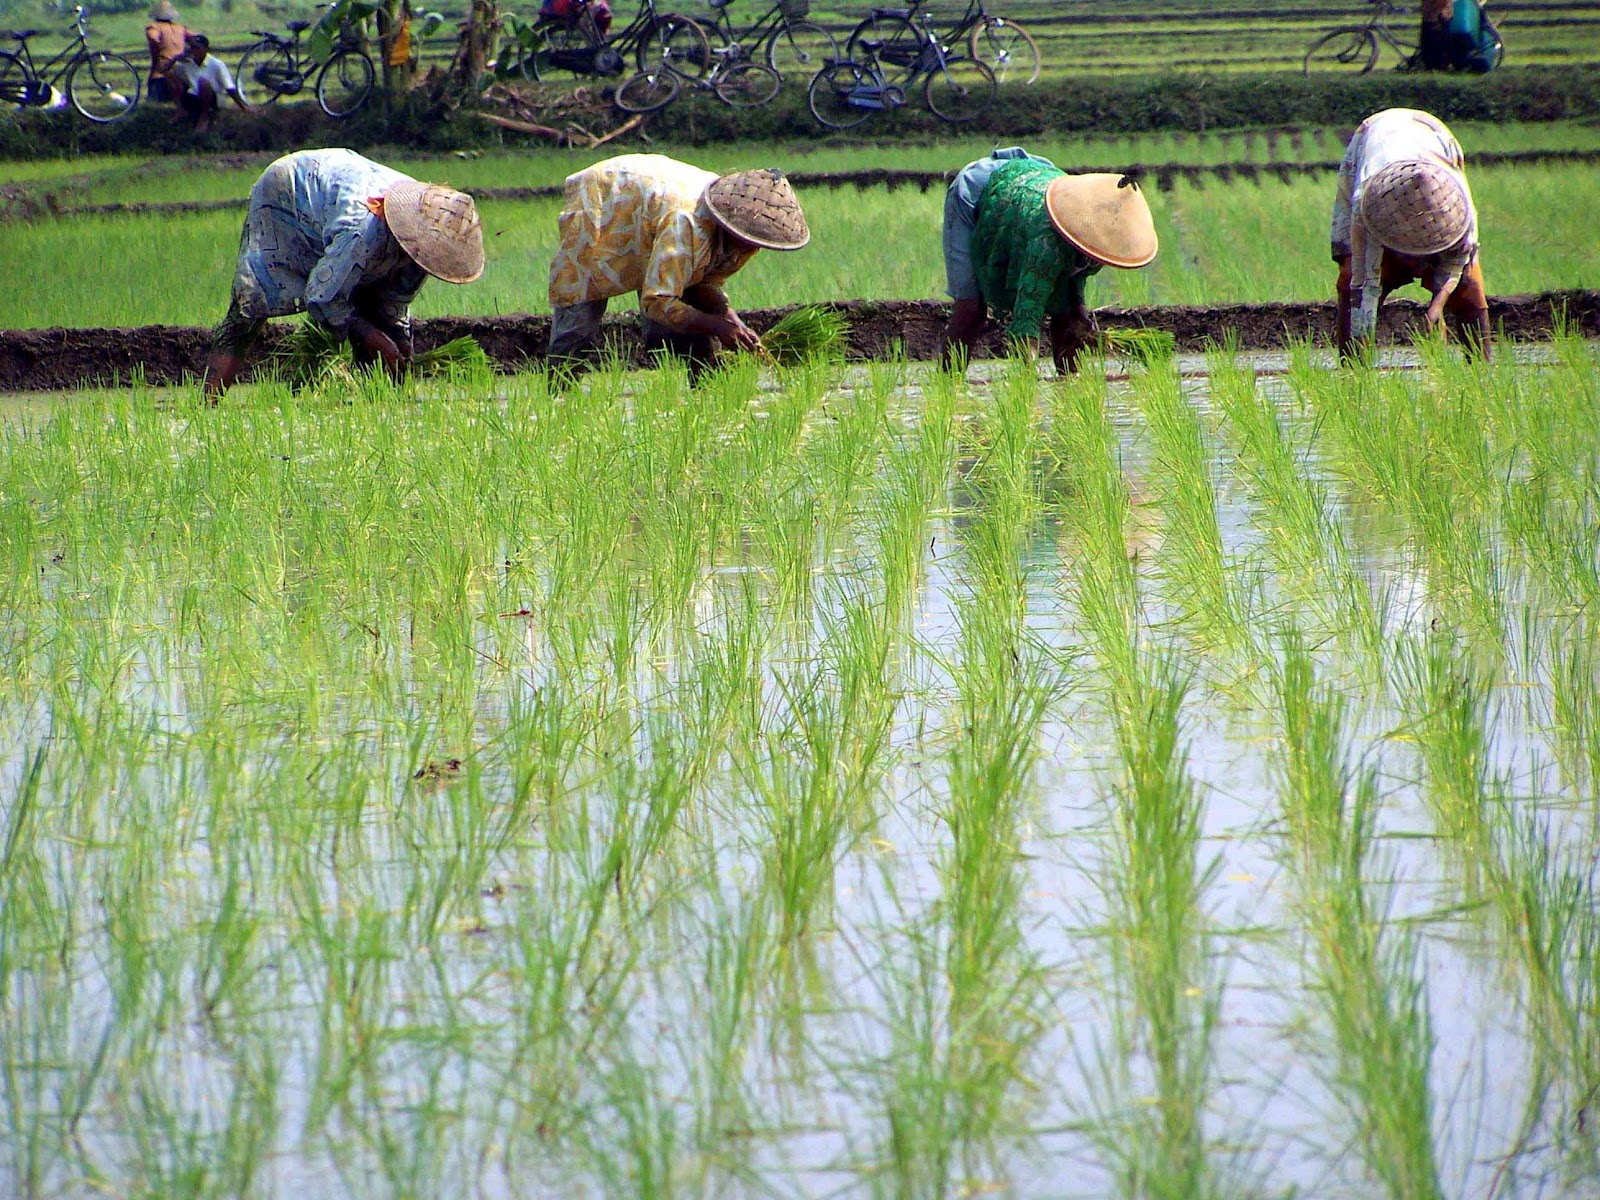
<point x="483" y="23"/>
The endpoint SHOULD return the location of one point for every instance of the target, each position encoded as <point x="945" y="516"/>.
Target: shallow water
<point x="261" y="934"/>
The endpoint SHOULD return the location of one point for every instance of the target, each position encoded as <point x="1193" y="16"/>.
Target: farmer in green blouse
<point x="1021" y="237"/>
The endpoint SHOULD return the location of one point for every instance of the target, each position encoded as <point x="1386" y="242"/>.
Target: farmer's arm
<point x="1468" y="306"/>
<point x="1072" y="325"/>
<point x="330" y="291"/>
<point x="1038" y="272"/>
<point x="670" y="274"/>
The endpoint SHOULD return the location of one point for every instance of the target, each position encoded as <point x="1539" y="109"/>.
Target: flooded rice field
<point x="851" y="782"/>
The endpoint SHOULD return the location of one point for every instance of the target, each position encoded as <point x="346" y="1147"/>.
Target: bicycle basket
<point x="795" y="9"/>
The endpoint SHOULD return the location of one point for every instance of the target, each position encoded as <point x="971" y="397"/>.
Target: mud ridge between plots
<point x="42" y="360"/>
<point x="20" y="203"/>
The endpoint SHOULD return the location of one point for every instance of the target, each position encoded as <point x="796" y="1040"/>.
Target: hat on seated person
<point x="1105" y="216"/>
<point x="761" y="208"/>
<point x="438" y="227"/>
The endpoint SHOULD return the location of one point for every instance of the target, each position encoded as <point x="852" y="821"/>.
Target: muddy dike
<point x="46" y="360"/>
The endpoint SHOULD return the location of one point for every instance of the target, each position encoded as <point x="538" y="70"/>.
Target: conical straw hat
<point x="438" y="227"/>
<point x="164" y="12"/>
<point x="760" y="207"/>
<point x="1105" y="216"/>
<point x="1419" y="207"/>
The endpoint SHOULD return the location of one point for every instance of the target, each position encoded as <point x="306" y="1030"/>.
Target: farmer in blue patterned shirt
<point x="1022" y="237"/>
<point x="350" y="242"/>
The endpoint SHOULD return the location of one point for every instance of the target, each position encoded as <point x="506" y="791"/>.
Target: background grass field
<point x="1241" y="241"/>
<point x="1074" y="36"/>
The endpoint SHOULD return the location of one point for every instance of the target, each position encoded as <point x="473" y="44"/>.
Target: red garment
<point x="568" y="10"/>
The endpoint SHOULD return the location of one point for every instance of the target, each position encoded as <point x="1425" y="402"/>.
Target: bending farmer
<point x="350" y="242"/>
<point x="673" y="233"/>
<point x="1021" y="236"/>
<point x="1404" y="212"/>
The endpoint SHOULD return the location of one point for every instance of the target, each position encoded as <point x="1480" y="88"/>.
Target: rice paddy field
<point x="1251" y="237"/>
<point x="857" y="782"/>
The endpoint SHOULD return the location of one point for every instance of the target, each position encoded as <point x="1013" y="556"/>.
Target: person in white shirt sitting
<point x="202" y="80"/>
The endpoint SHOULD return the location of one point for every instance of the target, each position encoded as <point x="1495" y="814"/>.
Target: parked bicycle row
<point x="889" y="55"/>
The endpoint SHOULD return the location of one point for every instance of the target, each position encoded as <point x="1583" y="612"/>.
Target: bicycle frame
<point x="766" y="25"/>
<point x="65" y="58"/>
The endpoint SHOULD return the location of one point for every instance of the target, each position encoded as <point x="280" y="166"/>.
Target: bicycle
<point x="102" y="87"/>
<point x="794" y="46"/>
<point x="1358" y="46"/>
<point x="1001" y="44"/>
<point x="660" y="43"/>
<point x="847" y="92"/>
<point x="276" y="66"/>
<point x="733" y="79"/>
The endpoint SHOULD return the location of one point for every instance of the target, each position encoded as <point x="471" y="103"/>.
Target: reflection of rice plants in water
<point x="819" y="780"/>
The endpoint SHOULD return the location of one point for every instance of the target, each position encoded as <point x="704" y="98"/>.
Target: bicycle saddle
<point x="299" y="26"/>
<point x="21" y="35"/>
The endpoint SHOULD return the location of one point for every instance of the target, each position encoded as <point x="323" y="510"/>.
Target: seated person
<point x="568" y="10"/>
<point x="164" y="37"/>
<point x="201" y="80"/>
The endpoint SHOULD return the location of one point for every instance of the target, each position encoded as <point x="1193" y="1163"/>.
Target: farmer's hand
<point x="734" y="332"/>
<point x="376" y="344"/>
<point x="1436" y="308"/>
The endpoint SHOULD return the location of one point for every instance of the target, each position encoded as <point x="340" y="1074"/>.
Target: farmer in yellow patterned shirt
<point x="673" y="233"/>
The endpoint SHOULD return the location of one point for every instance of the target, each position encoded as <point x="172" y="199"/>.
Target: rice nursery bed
<point x="844" y="781"/>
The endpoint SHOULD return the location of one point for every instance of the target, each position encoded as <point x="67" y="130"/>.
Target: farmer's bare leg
<point x="1346" y="301"/>
<point x="230" y="342"/>
<point x="1070" y="334"/>
<point x="575" y="335"/>
<point x="968" y="320"/>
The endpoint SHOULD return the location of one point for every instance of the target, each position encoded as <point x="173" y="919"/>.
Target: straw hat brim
<point x="1105" y="216"/>
<point x="759" y="207"/>
<point x="438" y="227"/>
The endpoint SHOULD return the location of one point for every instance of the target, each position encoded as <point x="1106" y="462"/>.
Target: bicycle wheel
<point x="104" y="87"/>
<point x="344" y="83"/>
<point x="747" y="85"/>
<point x="960" y="90"/>
<point x="553" y="42"/>
<point x="266" y="72"/>
<point x="675" y="43"/>
<point x="1349" y="48"/>
<point x="893" y="40"/>
<point x="800" y="48"/>
<point x="1006" y="48"/>
<point x="15" y="82"/>
<point x="647" y="92"/>
<point x="837" y="96"/>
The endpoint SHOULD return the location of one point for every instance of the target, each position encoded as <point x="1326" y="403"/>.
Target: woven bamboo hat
<point x="438" y="227"/>
<point x="164" y="12"/>
<point x="760" y="207"/>
<point x="1105" y="216"/>
<point x="1419" y="207"/>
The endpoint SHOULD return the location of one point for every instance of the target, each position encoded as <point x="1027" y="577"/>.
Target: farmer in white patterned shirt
<point x="348" y="241"/>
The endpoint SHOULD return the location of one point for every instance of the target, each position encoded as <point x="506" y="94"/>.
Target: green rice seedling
<point x="1198" y="581"/>
<point x="1370" y="988"/>
<point x="806" y="333"/>
<point x="1575" y="699"/>
<point x="1306" y="544"/>
<point x="315" y="356"/>
<point x="1147" y="347"/>
<point x="1159" y="941"/>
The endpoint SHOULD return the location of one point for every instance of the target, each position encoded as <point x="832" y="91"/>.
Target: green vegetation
<point x="851" y="775"/>
<point x="1247" y="241"/>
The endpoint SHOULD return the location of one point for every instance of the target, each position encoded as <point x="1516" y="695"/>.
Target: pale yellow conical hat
<point x="439" y="227"/>
<point x="1105" y="216"/>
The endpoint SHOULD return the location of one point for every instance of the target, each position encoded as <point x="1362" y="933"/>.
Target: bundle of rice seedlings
<point x="1147" y="346"/>
<point x="314" y="355"/>
<point x="462" y="354"/>
<point x="806" y="333"/>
